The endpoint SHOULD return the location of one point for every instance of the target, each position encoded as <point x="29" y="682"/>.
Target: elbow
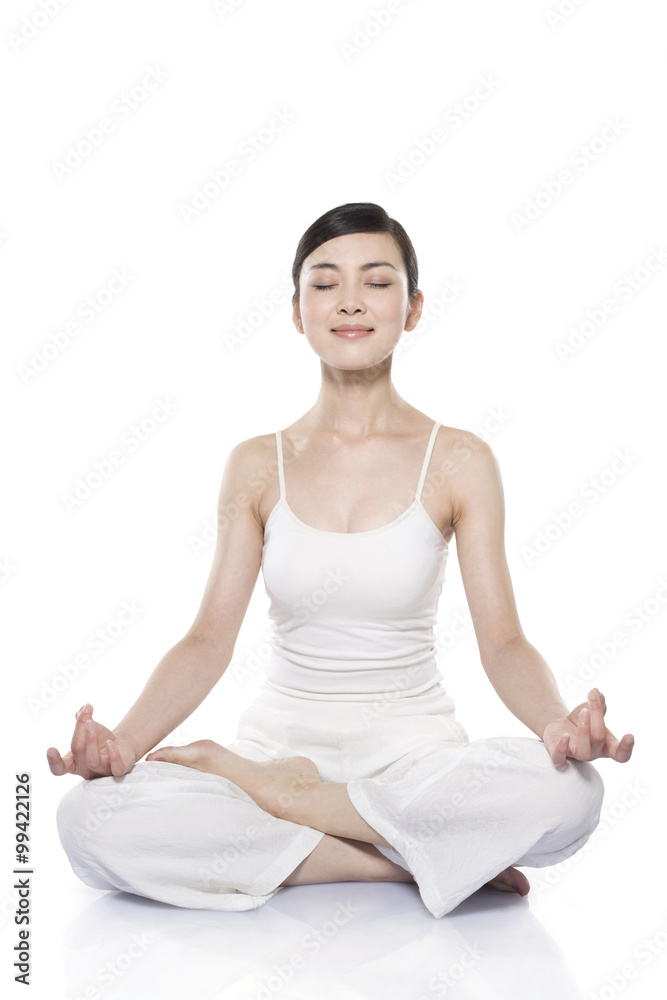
<point x="498" y="649"/>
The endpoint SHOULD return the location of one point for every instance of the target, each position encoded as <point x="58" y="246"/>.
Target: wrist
<point x="132" y="740"/>
<point x="553" y="714"/>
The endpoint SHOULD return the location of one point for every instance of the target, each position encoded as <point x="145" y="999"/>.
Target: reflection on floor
<point x="335" y="941"/>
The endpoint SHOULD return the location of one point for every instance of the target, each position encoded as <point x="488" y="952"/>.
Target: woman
<point x="350" y="763"/>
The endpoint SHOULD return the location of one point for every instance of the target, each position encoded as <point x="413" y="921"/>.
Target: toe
<point x="162" y="754"/>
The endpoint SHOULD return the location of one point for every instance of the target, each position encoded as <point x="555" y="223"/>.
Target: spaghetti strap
<point x="422" y="477"/>
<point x="427" y="457"/>
<point x="281" y="473"/>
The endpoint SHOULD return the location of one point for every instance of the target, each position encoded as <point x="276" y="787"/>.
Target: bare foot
<point x="273" y="784"/>
<point x="276" y="784"/>
<point x="511" y="880"/>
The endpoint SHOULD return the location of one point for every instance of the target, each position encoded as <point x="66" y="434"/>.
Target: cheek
<point x="312" y="308"/>
<point x="390" y="308"/>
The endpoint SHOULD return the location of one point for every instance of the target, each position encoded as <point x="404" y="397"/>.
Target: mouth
<point x="352" y="330"/>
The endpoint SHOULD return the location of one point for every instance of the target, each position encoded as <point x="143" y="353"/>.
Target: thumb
<point x="560" y="749"/>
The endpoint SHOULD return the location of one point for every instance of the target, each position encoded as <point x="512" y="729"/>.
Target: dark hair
<point x="355" y="217"/>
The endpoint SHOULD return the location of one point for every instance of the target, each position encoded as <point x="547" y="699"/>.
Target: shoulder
<point x="253" y="449"/>
<point x="250" y="465"/>
<point x="462" y="451"/>
<point x="463" y="465"/>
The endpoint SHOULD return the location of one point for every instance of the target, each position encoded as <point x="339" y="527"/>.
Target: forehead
<point x="356" y="249"/>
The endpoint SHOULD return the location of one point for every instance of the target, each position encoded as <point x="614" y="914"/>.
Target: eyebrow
<point x="362" y="267"/>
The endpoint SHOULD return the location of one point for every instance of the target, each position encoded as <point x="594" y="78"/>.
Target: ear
<point x="414" y="311"/>
<point x="296" y="317"/>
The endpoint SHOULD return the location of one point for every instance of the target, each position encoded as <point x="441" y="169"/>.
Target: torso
<point x="346" y="487"/>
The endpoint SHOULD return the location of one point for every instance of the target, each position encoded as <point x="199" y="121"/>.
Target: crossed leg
<point x="290" y="788"/>
<point x="340" y="859"/>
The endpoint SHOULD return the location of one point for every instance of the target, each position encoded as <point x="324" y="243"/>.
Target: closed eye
<point x="370" y="284"/>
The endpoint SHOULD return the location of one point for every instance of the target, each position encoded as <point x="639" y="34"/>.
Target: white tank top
<point x="352" y="613"/>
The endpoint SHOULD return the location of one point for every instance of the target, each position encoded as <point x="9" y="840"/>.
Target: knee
<point x="591" y="792"/>
<point x="71" y="819"/>
<point x="578" y="795"/>
<point x="82" y="816"/>
<point x="570" y="795"/>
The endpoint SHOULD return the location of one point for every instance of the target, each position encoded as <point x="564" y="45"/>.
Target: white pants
<point x="455" y="812"/>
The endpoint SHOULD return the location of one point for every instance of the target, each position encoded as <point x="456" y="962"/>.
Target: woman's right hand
<point x="90" y="755"/>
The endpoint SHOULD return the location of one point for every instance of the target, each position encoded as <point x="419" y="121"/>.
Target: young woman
<point x="350" y="763"/>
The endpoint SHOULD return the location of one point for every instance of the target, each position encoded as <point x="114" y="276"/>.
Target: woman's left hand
<point x="583" y="735"/>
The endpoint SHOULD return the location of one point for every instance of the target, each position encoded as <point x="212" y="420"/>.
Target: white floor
<point x="354" y="941"/>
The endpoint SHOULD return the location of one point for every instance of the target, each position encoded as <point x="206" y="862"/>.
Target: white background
<point x="364" y="99"/>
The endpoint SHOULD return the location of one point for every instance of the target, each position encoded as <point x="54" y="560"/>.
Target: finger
<point x="620" y="750"/>
<point x="88" y="740"/>
<point x="583" y="751"/>
<point x="598" y="730"/>
<point x="115" y="760"/>
<point x="66" y="763"/>
<point x="92" y="745"/>
<point x="559" y="756"/>
<point x="78" y="748"/>
<point x="55" y="761"/>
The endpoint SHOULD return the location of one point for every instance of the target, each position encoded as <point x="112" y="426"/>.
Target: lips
<point x="351" y="326"/>
<point x="352" y="330"/>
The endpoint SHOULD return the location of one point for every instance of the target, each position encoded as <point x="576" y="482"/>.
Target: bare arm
<point x="192" y="667"/>
<point x="177" y="686"/>
<point x="518" y="672"/>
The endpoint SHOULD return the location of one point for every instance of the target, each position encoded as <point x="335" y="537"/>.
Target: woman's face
<point x="363" y="284"/>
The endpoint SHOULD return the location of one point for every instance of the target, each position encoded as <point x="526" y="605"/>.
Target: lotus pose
<point x="350" y="762"/>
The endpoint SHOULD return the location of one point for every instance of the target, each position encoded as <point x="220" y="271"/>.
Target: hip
<point x="347" y="739"/>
